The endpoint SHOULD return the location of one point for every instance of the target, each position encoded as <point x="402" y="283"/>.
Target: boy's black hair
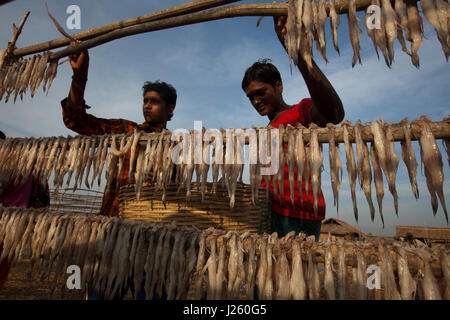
<point x="165" y="90"/>
<point x="262" y="70"/>
<point x="2" y="136"/>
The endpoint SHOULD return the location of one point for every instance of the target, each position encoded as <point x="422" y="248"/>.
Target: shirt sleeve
<point x="304" y="109"/>
<point x="77" y="119"/>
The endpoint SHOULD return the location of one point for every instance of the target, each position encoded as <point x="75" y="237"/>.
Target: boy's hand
<point x="279" y="23"/>
<point x="79" y="62"/>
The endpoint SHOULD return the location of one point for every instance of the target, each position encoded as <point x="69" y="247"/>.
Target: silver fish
<point x="367" y="181"/>
<point x="300" y="159"/>
<point x="315" y="162"/>
<point x="380" y="36"/>
<point x="408" y="156"/>
<point x="291" y="161"/>
<point x="335" y="19"/>
<point x="351" y="166"/>
<point x="392" y="163"/>
<point x="428" y="284"/>
<point x="408" y="285"/>
<point x="402" y="14"/>
<point x="433" y="166"/>
<point x="415" y="27"/>
<point x="328" y="282"/>
<point x="431" y="14"/>
<point x="354" y="32"/>
<point x="298" y="288"/>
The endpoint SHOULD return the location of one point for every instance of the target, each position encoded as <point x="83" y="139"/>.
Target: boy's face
<point x="155" y="109"/>
<point x="265" y="98"/>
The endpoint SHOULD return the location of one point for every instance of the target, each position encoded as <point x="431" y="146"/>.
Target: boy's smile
<point x="265" y="98"/>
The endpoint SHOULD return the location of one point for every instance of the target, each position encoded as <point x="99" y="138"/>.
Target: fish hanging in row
<point x="23" y="75"/>
<point x="154" y="159"/>
<point x="212" y="263"/>
<point x="400" y="20"/>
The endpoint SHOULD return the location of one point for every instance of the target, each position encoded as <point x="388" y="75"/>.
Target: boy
<point x="263" y="86"/>
<point x="158" y="106"/>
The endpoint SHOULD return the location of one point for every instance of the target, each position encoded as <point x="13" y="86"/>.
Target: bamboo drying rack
<point x="214" y="211"/>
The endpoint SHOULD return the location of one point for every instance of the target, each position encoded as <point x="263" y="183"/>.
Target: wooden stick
<point x="440" y="129"/>
<point x="7" y="53"/>
<point x="190" y="7"/>
<point x="170" y="21"/>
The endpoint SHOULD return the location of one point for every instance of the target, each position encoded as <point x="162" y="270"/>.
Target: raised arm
<point x="327" y="104"/>
<point x="80" y="65"/>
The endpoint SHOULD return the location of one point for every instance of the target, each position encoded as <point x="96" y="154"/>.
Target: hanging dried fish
<point x="408" y="156"/>
<point x="437" y="19"/>
<point x="290" y="40"/>
<point x="408" y="285"/>
<point x="354" y="30"/>
<point x="136" y="136"/>
<point x="390" y="23"/>
<point x="322" y="18"/>
<point x="428" y="284"/>
<point x="402" y="24"/>
<point x="334" y="24"/>
<point x="315" y="161"/>
<point x="380" y="36"/>
<point x="392" y="163"/>
<point x="351" y="166"/>
<point x="328" y="282"/>
<point x="307" y="19"/>
<point x="415" y="28"/>
<point x="433" y="166"/>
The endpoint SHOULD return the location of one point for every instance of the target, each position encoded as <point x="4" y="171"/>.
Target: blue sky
<point x="206" y="62"/>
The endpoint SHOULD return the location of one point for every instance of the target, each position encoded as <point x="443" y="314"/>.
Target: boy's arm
<point x="80" y="65"/>
<point x="327" y="104"/>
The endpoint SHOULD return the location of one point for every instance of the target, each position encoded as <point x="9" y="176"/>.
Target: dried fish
<point x="380" y="36"/>
<point x="322" y="17"/>
<point x="392" y="163"/>
<point x="351" y="166"/>
<point x="408" y="285"/>
<point x="354" y="30"/>
<point x="428" y="284"/>
<point x="307" y="19"/>
<point x="415" y="27"/>
<point x="437" y="20"/>
<point x="334" y="173"/>
<point x="367" y="181"/>
<point x="290" y="40"/>
<point x="328" y="283"/>
<point x="408" y="156"/>
<point x="387" y="274"/>
<point x="433" y="166"/>
<point x="315" y="162"/>
<point x="390" y="23"/>
<point x="335" y="19"/>
<point x="136" y="136"/>
<point x="291" y="161"/>
<point x="402" y="24"/>
<point x="378" y="179"/>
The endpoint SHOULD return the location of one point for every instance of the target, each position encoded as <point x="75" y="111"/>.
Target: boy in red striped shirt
<point x="263" y="86"/>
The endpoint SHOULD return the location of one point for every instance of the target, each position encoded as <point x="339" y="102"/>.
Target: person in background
<point x="264" y="88"/>
<point x="31" y="194"/>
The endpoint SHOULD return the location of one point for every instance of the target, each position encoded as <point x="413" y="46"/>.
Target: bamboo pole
<point x="8" y="52"/>
<point x="138" y="25"/>
<point x="190" y="7"/>
<point x="440" y="129"/>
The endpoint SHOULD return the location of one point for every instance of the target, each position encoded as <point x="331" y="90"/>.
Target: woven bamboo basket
<point x="214" y="211"/>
